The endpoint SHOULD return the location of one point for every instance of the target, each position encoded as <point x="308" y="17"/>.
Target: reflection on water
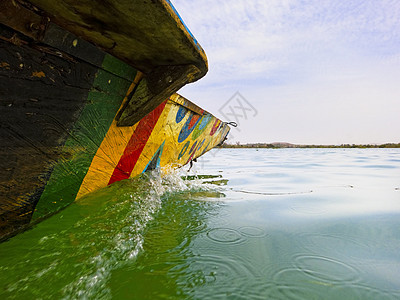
<point x="73" y="254"/>
<point x="266" y="224"/>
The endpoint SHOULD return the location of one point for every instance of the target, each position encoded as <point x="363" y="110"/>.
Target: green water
<point x="267" y="224"/>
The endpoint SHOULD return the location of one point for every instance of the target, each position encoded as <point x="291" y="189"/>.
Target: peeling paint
<point x="3" y="64"/>
<point x="38" y="74"/>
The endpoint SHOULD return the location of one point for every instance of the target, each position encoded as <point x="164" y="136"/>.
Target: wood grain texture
<point x="41" y="96"/>
<point x="152" y="28"/>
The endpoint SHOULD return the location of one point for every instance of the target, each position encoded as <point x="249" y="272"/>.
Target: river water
<point x="253" y="224"/>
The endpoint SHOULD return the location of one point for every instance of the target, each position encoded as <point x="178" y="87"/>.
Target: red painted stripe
<point x="191" y="156"/>
<point x="136" y="144"/>
<point x="193" y="121"/>
<point x="215" y="127"/>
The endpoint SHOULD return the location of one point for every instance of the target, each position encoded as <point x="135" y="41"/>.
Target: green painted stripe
<point x="118" y="67"/>
<point x="102" y="104"/>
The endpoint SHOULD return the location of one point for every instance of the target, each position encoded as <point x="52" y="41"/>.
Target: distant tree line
<point x="288" y="145"/>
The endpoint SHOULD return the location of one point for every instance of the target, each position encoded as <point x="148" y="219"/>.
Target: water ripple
<point x="251" y="231"/>
<point x="292" y="283"/>
<point x="326" y="269"/>
<point x="225" y="235"/>
<point x="338" y="246"/>
<point x="293" y="291"/>
<point x="205" y="269"/>
<point x="272" y="194"/>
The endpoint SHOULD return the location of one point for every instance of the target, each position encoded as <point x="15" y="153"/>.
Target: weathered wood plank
<point x="42" y="93"/>
<point x="36" y="89"/>
<point x="41" y="96"/>
<point x="146" y="34"/>
<point x="69" y="43"/>
<point x="143" y="33"/>
<point x="44" y="90"/>
<point x="22" y="19"/>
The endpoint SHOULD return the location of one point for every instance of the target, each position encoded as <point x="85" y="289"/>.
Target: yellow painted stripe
<point x="109" y="153"/>
<point x="157" y="137"/>
<point x="166" y="130"/>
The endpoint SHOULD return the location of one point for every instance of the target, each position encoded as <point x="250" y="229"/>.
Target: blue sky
<point x="317" y="71"/>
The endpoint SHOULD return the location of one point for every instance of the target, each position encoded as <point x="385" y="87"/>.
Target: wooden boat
<point x="87" y="95"/>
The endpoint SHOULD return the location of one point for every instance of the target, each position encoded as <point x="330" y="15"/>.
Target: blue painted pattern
<point x="183" y="150"/>
<point x="186" y="131"/>
<point x="180" y="114"/>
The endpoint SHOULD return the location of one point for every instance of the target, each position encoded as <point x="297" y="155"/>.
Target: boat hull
<point x="169" y="137"/>
<point x="75" y="118"/>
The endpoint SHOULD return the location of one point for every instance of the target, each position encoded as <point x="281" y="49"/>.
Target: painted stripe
<point x="103" y="101"/>
<point x="215" y="127"/>
<point x="189" y="126"/>
<point x="192" y="153"/>
<point x="136" y="144"/>
<point x="193" y="121"/>
<point x="109" y="152"/>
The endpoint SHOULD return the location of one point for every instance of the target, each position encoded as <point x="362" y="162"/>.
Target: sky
<point x="299" y="71"/>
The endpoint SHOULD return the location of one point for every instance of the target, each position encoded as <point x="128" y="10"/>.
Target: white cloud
<point x="323" y="61"/>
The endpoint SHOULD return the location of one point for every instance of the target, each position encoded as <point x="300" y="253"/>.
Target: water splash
<point x="120" y="227"/>
<point x="195" y="246"/>
<point x="73" y="254"/>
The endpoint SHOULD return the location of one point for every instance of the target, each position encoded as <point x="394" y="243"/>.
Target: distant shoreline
<point x="288" y="145"/>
